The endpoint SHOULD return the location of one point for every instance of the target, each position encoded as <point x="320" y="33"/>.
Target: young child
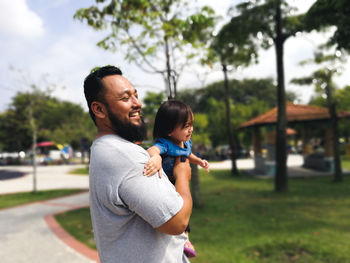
<point x="172" y="132"/>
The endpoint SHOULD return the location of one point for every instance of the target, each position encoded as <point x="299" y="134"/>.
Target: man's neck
<point x="101" y="133"/>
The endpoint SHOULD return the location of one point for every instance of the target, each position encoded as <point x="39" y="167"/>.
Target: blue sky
<point x="40" y="37"/>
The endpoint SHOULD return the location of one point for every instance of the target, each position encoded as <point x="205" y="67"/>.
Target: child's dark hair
<point x="170" y="115"/>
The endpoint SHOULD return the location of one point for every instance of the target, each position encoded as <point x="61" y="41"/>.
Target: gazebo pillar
<point x="256" y="140"/>
<point x="328" y="142"/>
<point x="271" y="143"/>
<point x="260" y="164"/>
<point x="306" y="147"/>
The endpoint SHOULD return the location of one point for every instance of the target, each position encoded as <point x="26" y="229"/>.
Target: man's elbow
<point x="173" y="228"/>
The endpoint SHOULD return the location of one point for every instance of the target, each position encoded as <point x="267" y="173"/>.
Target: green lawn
<point x="243" y="220"/>
<point x="10" y="200"/>
<point x="345" y="164"/>
<point x="80" y="171"/>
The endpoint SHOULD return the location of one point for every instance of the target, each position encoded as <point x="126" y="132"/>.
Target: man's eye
<point x="125" y="98"/>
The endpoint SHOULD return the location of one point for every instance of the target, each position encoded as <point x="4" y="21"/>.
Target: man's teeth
<point x="135" y="114"/>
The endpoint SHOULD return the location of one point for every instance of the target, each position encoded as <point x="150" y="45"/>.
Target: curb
<point x="65" y="237"/>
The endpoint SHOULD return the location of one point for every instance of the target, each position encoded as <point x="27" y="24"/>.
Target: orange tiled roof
<point x="295" y="113"/>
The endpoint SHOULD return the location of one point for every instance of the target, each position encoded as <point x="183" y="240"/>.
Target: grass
<point x="10" y="200"/>
<point x="78" y="224"/>
<point x="80" y="171"/>
<point x="243" y="220"/>
<point x="345" y="163"/>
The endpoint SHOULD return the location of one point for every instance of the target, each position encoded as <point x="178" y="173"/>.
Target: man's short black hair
<point x="94" y="89"/>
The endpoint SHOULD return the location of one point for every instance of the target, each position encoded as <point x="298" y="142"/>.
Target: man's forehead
<point x="118" y="83"/>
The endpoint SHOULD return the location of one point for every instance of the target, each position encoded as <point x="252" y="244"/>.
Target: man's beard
<point x="128" y="131"/>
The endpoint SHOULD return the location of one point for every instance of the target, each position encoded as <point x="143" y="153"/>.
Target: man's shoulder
<point x="108" y="144"/>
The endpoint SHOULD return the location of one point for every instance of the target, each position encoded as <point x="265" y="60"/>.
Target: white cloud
<point x="16" y="19"/>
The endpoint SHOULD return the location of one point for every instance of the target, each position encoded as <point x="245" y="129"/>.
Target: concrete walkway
<point x="48" y="177"/>
<point x="25" y="235"/>
<point x="28" y="233"/>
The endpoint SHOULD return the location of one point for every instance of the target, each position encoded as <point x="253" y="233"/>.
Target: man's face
<point x="124" y="108"/>
<point x="122" y="99"/>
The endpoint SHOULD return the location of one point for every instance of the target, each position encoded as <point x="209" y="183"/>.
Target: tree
<point x="151" y="104"/>
<point x="231" y="47"/>
<point x="200" y="139"/>
<point x="271" y="21"/>
<point x="249" y="97"/>
<point x="153" y="31"/>
<point x="59" y="121"/>
<point x="325" y="13"/>
<point x="323" y="81"/>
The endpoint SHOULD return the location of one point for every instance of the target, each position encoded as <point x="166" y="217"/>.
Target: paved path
<point x="25" y="233"/>
<point x="293" y="160"/>
<point x="48" y="177"/>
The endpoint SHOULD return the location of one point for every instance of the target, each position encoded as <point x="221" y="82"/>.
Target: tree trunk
<point x="281" y="173"/>
<point x="334" y="120"/>
<point x="195" y="191"/>
<point x="233" y="148"/>
<point x="168" y="69"/>
<point x="34" y="141"/>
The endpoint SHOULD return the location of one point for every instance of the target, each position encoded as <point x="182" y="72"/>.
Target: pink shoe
<point x="190" y="253"/>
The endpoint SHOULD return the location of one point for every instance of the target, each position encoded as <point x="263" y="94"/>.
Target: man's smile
<point x="135" y="114"/>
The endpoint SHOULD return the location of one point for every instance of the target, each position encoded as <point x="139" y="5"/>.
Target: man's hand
<point x="182" y="170"/>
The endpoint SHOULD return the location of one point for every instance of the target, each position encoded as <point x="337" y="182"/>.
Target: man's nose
<point x="136" y="102"/>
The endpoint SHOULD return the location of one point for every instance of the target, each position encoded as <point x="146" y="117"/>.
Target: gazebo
<point x="304" y="117"/>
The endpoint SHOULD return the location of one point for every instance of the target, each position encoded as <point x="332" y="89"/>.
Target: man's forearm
<point x="178" y="223"/>
<point x="183" y="188"/>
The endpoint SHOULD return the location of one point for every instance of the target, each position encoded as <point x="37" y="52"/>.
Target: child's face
<point x="182" y="133"/>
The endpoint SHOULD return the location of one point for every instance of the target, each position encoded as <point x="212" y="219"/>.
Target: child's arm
<point x="201" y="162"/>
<point x="154" y="164"/>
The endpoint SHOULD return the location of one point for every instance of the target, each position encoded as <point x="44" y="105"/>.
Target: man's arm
<point x="178" y="223"/>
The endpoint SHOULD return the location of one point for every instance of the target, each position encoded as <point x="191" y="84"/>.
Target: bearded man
<point x="135" y="218"/>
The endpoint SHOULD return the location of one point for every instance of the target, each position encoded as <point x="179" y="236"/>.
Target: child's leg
<point x="189" y="248"/>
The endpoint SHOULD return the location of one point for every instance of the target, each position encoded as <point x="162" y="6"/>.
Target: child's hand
<point x="154" y="164"/>
<point x="205" y="164"/>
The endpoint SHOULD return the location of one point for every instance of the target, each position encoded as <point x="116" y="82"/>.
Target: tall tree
<point x="323" y="81"/>
<point x="272" y="22"/>
<point x="232" y="47"/>
<point x="153" y="31"/>
<point x="151" y="104"/>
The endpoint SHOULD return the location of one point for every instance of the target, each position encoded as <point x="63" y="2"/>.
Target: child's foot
<point x="189" y="250"/>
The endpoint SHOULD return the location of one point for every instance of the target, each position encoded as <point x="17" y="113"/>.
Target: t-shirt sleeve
<point x="189" y="146"/>
<point x="162" y="146"/>
<point x="152" y="198"/>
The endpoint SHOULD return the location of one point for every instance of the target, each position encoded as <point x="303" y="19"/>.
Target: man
<point x="135" y="218"/>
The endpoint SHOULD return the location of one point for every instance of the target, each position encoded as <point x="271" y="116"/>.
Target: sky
<point x="39" y="40"/>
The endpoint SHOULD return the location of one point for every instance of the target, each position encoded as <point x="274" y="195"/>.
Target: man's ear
<point x="99" y="109"/>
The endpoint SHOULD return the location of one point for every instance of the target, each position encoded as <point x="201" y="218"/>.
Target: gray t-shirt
<point x="127" y="206"/>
